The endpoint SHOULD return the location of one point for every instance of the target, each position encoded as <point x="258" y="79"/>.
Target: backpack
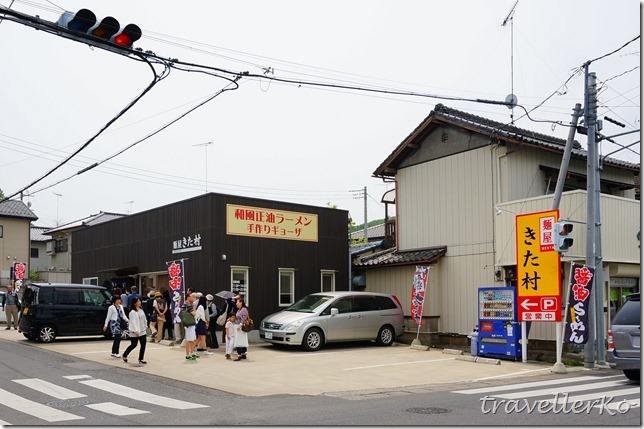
<point x="187" y="318"/>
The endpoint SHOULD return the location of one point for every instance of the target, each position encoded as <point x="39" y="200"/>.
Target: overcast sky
<point x="287" y="142"/>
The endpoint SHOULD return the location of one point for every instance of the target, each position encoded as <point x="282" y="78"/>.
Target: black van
<point x="63" y="309"/>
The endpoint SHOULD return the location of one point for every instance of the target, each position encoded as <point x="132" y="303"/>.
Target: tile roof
<point x="391" y="257"/>
<point x="376" y="231"/>
<point x="16" y="209"/>
<point x="87" y="221"/>
<point x="491" y="128"/>
<point x="36" y="233"/>
<point x="357" y="249"/>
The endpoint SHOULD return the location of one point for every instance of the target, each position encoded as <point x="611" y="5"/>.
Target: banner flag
<point x="418" y="294"/>
<point x="176" y="283"/>
<point x="19" y="275"/>
<point x="581" y="284"/>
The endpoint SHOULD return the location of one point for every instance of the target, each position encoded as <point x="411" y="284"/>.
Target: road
<point x="42" y="387"/>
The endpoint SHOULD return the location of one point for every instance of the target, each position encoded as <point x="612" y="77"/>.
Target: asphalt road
<point x="40" y="385"/>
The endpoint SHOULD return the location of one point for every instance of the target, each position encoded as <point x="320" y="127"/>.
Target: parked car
<point x="624" y="339"/>
<point x="50" y="310"/>
<point x="327" y="317"/>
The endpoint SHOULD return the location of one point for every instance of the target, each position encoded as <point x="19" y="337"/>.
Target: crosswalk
<point x="48" y="413"/>
<point x="611" y="394"/>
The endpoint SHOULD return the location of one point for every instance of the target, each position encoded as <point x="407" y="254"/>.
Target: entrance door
<point x="239" y="282"/>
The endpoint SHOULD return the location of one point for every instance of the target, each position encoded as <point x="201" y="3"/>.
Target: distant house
<point x="460" y="180"/>
<point x="39" y="259"/>
<point x="15" y="242"/>
<point x="59" y="245"/>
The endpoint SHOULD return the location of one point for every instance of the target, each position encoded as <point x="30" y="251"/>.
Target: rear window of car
<point x="629" y="314"/>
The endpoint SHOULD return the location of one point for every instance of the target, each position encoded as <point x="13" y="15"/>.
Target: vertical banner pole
<point x="559" y="367"/>
<point x="418" y="292"/>
<point x="524" y="342"/>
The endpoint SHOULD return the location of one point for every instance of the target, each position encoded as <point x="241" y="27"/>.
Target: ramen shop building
<point x="272" y="253"/>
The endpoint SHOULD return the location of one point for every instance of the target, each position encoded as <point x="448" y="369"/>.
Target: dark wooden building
<point x="271" y="252"/>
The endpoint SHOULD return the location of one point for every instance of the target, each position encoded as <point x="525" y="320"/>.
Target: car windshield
<point x="309" y="303"/>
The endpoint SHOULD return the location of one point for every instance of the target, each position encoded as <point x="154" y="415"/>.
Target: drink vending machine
<point x="499" y="330"/>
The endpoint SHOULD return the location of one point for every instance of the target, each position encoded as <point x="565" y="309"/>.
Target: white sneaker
<point x="208" y="353"/>
<point x="116" y="355"/>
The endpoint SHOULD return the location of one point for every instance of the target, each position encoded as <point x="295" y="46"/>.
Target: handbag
<point x="187" y="318"/>
<point x="154" y="316"/>
<point x="122" y="322"/>
<point x="221" y="319"/>
<point x="248" y="325"/>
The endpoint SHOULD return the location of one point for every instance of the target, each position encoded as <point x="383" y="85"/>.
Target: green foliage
<point x="33" y="274"/>
<point x="1" y="194"/>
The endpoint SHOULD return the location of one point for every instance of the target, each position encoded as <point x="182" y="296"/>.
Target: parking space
<point x="334" y="370"/>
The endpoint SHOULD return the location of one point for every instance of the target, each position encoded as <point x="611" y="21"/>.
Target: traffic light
<point x="562" y="238"/>
<point x="108" y="29"/>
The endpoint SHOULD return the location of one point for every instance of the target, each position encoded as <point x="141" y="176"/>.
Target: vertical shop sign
<point x="418" y="288"/>
<point x="581" y="284"/>
<point x="18" y="276"/>
<point x="176" y="283"/>
<point x="538" y="268"/>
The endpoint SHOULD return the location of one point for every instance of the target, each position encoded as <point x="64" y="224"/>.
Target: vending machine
<point x="499" y="330"/>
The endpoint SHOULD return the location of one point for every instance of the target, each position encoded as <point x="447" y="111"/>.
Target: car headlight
<point x="293" y="326"/>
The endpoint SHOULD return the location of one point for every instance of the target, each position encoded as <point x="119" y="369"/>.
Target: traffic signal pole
<point x="559" y="367"/>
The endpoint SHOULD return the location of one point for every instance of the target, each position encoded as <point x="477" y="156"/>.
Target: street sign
<point x="538" y="268"/>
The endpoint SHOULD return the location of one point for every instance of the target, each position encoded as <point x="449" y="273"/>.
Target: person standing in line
<point x="160" y="307"/>
<point x="241" y="337"/>
<point x="124" y="296"/>
<point x="190" y="334"/>
<point x="168" y="326"/>
<point x="202" y="325"/>
<point x="230" y="309"/>
<point x="137" y="328"/>
<point x="112" y="321"/>
<point x="148" y="308"/>
<point x="229" y="330"/>
<point x="10" y="306"/>
<point x="134" y="294"/>
<point x="212" y="312"/>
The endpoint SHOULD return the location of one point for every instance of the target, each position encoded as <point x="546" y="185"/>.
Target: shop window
<point x="287" y="287"/>
<point x="34" y="252"/>
<point x="328" y="281"/>
<point x="90" y="281"/>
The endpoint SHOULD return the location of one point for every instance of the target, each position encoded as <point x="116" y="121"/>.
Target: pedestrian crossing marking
<point x="115" y="409"/>
<point x="597" y="395"/>
<point x="50" y="389"/>
<point x="139" y="395"/>
<point x="565" y="389"/>
<point x="35" y="409"/>
<point x="77" y="377"/>
<point x="532" y="384"/>
<point x="3" y="423"/>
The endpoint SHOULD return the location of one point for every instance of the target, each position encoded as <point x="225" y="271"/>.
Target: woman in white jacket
<point x="112" y="321"/>
<point x="137" y="327"/>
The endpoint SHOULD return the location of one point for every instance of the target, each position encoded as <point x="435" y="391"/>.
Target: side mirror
<point x="334" y="311"/>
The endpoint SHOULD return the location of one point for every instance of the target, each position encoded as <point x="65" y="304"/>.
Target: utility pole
<point x="366" y="238"/>
<point x="590" y="121"/>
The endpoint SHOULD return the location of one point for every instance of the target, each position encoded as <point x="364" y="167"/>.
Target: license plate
<point x="268" y="335"/>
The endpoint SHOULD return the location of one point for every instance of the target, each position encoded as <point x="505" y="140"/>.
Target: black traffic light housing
<point x="108" y="29"/>
<point x="562" y="238"/>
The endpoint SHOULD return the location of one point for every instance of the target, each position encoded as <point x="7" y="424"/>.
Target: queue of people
<point x="198" y="330"/>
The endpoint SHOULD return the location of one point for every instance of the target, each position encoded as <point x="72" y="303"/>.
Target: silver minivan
<point x="327" y="317"/>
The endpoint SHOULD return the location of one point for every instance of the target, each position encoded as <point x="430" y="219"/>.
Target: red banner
<point x="418" y="288"/>
<point x="19" y="275"/>
<point x="177" y="290"/>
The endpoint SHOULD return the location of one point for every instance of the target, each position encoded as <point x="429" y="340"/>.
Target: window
<point x="67" y="296"/>
<point x="90" y="281"/>
<point x="60" y="245"/>
<point x="93" y="297"/>
<point x="328" y="281"/>
<point x="239" y="282"/>
<point x="34" y="252"/>
<point x="1" y="231"/>
<point x="286" y="287"/>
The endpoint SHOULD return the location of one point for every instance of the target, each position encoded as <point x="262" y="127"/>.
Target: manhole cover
<point x="68" y="403"/>
<point x="428" y="410"/>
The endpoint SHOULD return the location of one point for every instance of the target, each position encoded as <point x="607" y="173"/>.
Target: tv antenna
<point x="511" y="99"/>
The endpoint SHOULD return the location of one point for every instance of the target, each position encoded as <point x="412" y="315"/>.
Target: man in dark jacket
<point x="10" y="305"/>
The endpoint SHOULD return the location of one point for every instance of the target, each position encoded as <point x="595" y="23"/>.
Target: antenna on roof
<point x="511" y="99"/>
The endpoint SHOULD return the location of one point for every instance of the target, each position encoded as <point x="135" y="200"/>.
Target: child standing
<point x="230" y="336"/>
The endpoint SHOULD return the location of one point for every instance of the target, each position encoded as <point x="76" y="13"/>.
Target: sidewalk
<point x="355" y="369"/>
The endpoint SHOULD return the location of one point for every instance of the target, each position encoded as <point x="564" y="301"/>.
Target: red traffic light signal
<point x="108" y="29"/>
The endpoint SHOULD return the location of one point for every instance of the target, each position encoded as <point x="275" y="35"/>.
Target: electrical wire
<point x="157" y="78"/>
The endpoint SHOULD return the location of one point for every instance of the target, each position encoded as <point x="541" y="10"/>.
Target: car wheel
<point x="313" y="340"/>
<point x="386" y="336"/>
<point x="632" y="374"/>
<point x="47" y="334"/>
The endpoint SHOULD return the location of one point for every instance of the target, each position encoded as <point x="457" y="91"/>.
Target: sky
<point x="299" y="143"/>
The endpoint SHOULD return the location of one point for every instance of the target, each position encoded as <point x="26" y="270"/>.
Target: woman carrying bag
<point x="117" y="322"/>
<point x="138" y="327"/>
<point x="241" y="337"/>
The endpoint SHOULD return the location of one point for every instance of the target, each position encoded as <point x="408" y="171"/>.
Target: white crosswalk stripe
<point x="599" y="392"/>
<point x="52" y="414"/>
